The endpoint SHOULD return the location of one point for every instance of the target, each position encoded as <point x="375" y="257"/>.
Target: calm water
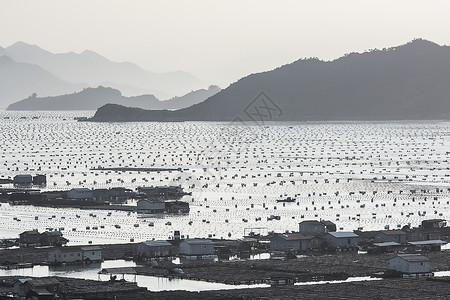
<point x="356" y="174"/>
<point x="150" y="282"/>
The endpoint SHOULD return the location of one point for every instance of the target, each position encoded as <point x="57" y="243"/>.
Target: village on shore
<point x="316" y="252"/>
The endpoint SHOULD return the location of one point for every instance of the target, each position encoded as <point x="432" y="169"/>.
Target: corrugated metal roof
<point x="387" y="244"/>
<point x="430" y="242"/>
<point x="43" y="281"/>
<point x="157" y="243"/>
<point x="413" y="257"/>
<point x="91" y="248"/>
<point x="198" y="242"/>
<point x="294" y="236"/>
<point x="343" y="234"/>
<point x="392" y="232"/>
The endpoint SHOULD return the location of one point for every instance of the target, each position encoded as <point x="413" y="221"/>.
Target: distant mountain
<point x="19" y="80"/>
<point x="91" y="68"/>
<point x="411" y="81"/>
<point x="190" y="99"/>
<point x="93" y="98"/>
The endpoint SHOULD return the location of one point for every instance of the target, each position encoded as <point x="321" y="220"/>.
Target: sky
<point x="221" y="41"/>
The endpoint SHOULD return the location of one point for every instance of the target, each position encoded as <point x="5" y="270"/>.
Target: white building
<point x="197" y="247"/>
<point x="92" y="253"/>
<point x="409" y="263"/>
<point x="75" y="254"/>
<point x="65" y="255"/>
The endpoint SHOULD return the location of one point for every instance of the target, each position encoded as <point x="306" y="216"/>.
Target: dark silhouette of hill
<point x="92" y="68"/>
<point x="411" y="81"/>
<point x="18" y="80"/>
<point x="93" y="98"/>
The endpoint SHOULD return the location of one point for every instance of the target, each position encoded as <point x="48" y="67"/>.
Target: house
<point x="75" y="254"/>
<point x="65" y="255"/>
<point x="316" y="228"/>
<point x="151" y="207"/>
<point x="409" y="263"/>
<point x="196" y="247"/>
<point x="40" y="180"/>
<point x="80" y="193"/>
<point x="40" y="294"/>
<point x="46" y="287"/>
<point x="19" y="288"/>
<point x="52" y="238"/>
<point x="23" y="180"/>
<point x="91" y="253"/>
<point x="341" y="239"/>
<point x="434" y="223"/>
<point x="30" y="238"/>
<point x="396" y="236"/>
<point x="293" y="241"/>
<point x="423" y="234"/>
<point x="153" y="249"/>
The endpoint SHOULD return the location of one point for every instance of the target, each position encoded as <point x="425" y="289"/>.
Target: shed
<point x="396" y="236"/>
<point x="197" y="247"/>
<point x="291" y="241"/>
<point x="153" y="249"/>
<point x="147" y="206"/>
<point x="341" y="239"/>
<point x="409" y="263"/>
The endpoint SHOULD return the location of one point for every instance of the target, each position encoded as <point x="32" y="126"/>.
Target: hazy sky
<point x="221" y="41"/>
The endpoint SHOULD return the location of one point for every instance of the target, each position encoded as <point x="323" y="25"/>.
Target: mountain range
<point x="411" y="81"/>
<point x="27" y="69"/>
<point x="93" y="98"/>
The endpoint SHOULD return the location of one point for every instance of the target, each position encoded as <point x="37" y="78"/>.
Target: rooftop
<point x="343" y="234"/>
<point x="294" y="236"/>
<point x="43" y="281"/>
<point x="30" y="232"/>
<point x="157" y="243"/>
<point x="430" y="242"/>
<point x="386" y="244"/>
<point x="91" y="248"/>
<point x="392" y="232"/>
<point x="198" y="242"/>
<point x="413" y="257"/>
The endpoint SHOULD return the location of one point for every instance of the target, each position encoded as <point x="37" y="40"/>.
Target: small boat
<point x="288" y="199"/>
